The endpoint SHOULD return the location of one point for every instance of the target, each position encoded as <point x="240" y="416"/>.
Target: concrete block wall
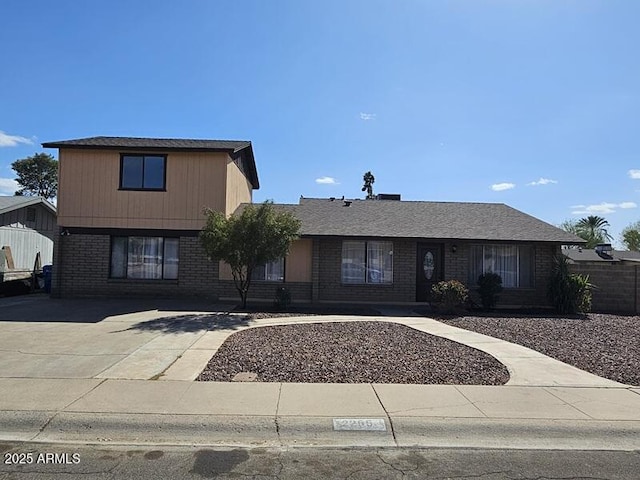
<point x="265" y="291"/>
<point x="331" y="288"/>
<point x="618" y="285"/>
<point x="82" y="262"/>
<point x="457" y="265"/>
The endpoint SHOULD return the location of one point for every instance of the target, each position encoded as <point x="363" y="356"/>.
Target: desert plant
<point x="489" y="286"/>
<point x="283" y="298"/>
<point x="451" y="294"/>
<point x="568" y="292"/>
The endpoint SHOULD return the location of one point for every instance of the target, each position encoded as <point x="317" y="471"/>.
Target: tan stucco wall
<point x="89" y="196"/>
<point x="297" y="264"/>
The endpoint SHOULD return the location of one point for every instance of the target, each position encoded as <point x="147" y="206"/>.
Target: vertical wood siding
<point x="89" y="195"/>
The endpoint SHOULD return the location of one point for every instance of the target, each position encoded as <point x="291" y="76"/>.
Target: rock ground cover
<point x="351" y="352"/>
<point x="602" y="344"/>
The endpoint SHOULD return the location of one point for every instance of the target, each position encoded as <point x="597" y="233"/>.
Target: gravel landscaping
<point x="605" y="345"/>
<point x="351" y="352"/>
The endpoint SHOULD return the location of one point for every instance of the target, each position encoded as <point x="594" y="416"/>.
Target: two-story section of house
<point x="130" y="211"/>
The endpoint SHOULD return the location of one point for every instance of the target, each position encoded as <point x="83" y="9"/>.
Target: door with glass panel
<point x="429" y="269"/>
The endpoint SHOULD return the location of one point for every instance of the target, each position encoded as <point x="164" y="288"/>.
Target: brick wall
<point x="456" y="267"/>
<point x="265" y="291"/>
<point x="330" y="287"/>
<point x="81" y="268"/>
<point x="618" y="285"/>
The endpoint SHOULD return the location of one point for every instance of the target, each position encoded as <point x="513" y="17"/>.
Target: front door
<point x="428" y="269"/>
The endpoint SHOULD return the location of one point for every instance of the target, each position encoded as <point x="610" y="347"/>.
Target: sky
<point x="535" y="104"/>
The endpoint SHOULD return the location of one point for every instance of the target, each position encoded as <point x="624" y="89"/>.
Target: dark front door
<point x="428" y="269"/>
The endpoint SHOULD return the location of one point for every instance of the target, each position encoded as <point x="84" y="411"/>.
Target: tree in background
<point x="631" y="236"/>
<point x="256" y="236"/>
<point x="592" y="229"/>
<point x="369" y="180"/>
<point x="37" y="175"/>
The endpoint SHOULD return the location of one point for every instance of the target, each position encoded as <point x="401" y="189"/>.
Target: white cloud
<point x="367" y="116"/>
<point x="601" y="208"/>
<point x="327" y="181"/>
<point x="628" y="205"/>
<point x="8" y="186"/>
<point x="542" y="181"/>
<point x="635" y="174"/>
<point x="498" y="187"/>
<point x="7" y="140"/>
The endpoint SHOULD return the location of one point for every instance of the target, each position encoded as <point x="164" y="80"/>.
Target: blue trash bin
<point x="46" y="273"/>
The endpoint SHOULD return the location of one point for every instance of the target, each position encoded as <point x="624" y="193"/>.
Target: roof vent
<point x="388" y="196"/>
<point x="347" y="203"/>
<point x="604" y="250"/>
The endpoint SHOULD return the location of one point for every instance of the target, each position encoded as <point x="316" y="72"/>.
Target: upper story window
<point x="143" y="172"/>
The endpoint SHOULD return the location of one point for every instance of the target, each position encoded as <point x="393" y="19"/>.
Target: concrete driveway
<point x="111" y="338"/>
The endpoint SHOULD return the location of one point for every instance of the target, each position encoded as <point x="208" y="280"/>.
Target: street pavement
<point x="122" y="373"/>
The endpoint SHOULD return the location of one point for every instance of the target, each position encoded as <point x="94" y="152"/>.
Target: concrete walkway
<point x="128" y="378"/>
<point x="526" y="367"/>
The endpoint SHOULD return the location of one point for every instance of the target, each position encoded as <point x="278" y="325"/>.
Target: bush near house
<point x="489" y="286"/>
<point x="568" y="292"/>
<point x="450" y="294"/>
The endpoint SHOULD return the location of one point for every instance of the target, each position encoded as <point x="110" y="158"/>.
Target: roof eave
<point x="28" y="203"/>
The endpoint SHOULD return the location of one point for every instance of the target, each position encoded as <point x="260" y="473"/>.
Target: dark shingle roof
<point x="428" y="220"/>
<point x="8" y="204"/>
<point x="164" y="143"/>
<point x="589" y="255"/>
<point x="240" y="147"/>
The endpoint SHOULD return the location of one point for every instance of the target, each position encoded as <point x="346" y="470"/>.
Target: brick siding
<point x="82" y="261"/>
<point x="331" y="288"/>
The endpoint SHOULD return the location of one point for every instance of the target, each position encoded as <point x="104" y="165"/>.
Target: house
<point x="27" y="228"/>
<point x="614" y="273"/>
<point x="130" y="211"/>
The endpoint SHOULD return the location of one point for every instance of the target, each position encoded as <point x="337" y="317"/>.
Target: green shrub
<point x="451" y="294"/>
<point x="489" y="286"/>
<point x="283" y="298"/>
<point x="568" y="292"/>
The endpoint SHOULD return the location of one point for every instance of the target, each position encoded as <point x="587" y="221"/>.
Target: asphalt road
<point x="41" y="461"/>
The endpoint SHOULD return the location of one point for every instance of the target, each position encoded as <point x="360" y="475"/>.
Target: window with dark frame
<point x="269" y="272"/>
<point x="367" y="262"/>
<point x="151" y="258"/>
<point x="514" y="264"/>
<point x="143" y="172"/>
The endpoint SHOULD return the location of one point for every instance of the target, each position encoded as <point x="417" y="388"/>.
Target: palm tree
<point x="593" y="230"/>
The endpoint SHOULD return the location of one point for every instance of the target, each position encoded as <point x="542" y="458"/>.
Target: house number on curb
<point x="368" y="424"/>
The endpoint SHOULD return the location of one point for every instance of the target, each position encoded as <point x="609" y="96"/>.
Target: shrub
<point x="568" y="292"/>
<point x="451" y="294"/>
<point x="283" y="298"/>
<point x="489" y="286"/>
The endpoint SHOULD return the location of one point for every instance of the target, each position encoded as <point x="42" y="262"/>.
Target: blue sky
<point x="532" y="103"/>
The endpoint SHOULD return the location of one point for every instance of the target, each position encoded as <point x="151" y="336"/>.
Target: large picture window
<point x="270" y="272"/>
<point x="367" y="262"/>
<point x="142" y="172"/>
<point x="514" y="263"/>
<point x="151" y="258"/>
